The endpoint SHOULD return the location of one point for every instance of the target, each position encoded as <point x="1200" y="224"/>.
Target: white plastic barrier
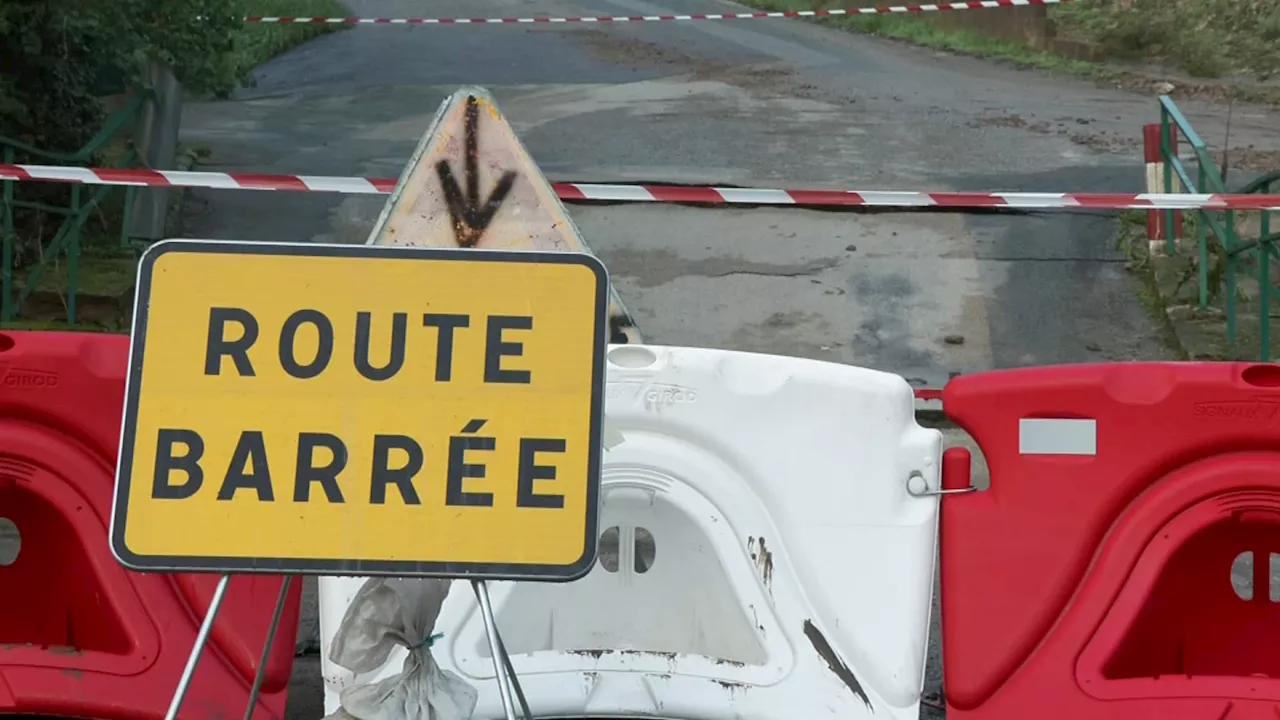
<point x="760" y="555"/>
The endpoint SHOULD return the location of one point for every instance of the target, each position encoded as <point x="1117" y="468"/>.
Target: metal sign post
<point x="503" y="671"/>
<point x="202" y="639"/>
<point x="274" y="352"/>
<point x="289" y="406"/>
<point x="266" y="647"/>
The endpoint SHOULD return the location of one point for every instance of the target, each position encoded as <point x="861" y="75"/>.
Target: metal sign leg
<point x="266" y="648"/>
<point x="503" y="670"/>
<point x="202" y="638"/>
<point x="515" y="681"/>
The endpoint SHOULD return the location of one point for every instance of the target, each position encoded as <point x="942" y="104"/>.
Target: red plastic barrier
<point x="80" y="636"/>
<point x="1099" y="585"/>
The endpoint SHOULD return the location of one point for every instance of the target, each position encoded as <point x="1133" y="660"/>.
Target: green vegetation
<point x="922" y="31"/>
<point x="66" y="66"/>
<point x="962" y="41"/>
<point x="106" y="295"/>
<point x="1205" y="38"/>
<point x="1215" y="284"/>
<point x="256" y="43"/>
<point x="60" y="57"/>
<point x="60" y="326"/>
<point x="1132" y="240"/>
<point x="106" y="279"/>
<point x="101" y="273"/>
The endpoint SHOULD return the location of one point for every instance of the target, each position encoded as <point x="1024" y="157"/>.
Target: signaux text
<point x="237" y="344"/>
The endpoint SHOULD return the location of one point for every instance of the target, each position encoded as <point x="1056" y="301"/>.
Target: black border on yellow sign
<point x="478" y="571"/>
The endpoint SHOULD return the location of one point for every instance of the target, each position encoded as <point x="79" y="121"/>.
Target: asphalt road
<point x="758" y="103"/>
<point x="752" y="103"/>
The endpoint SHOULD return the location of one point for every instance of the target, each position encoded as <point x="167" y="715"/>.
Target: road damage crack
<point x="650" y="268"/>
<point x="756" y="273"/>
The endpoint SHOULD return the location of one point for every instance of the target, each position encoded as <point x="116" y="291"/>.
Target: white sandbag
<point x="387" y="612"/>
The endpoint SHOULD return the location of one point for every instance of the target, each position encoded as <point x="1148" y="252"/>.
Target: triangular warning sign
<point x="472" y="184"/>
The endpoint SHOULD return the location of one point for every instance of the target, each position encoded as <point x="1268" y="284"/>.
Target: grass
<point x="102" y="274"/>
<point x="920" y="31"/>
<point x="1170" y="292"/>
<point x="57" y="326"/>
<point x="1172" y="33"/>
<point x="1132" y="239"/>
<point x="105" y="284"/>
<point x="257" y="43"/>
<point x="1204" y="38"/>
<point x="966" y="42"/>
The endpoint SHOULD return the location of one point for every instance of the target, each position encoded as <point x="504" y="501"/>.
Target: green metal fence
<point x="1223" y="256"/>
<point x="65" y="244"/>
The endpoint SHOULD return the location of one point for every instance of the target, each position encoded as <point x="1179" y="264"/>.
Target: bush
<point x="59" y="56"/>
<point x="55" y="51"/>
<point x="1207" y="38"/>
<point x="56" y="55"/>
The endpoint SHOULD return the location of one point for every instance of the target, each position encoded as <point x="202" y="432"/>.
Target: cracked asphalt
<point x="751" y="103"/>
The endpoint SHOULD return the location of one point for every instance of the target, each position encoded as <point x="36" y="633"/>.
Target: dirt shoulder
<point x="1088" y="38"/>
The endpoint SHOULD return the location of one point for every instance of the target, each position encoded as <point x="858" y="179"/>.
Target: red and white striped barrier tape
<point x="661" y="193"/>
<point x="760" y="15"/>
<point x="383" y="186"/>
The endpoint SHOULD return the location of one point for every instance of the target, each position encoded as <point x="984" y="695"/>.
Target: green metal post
<point x="127" y="220"/>
<point x="6" y="254"/>
<point x="1264" y="301"/>
<point x="1169" y="157"/>
<point x="1202" y="251"/>
<point x="73" y="257"/>
<point x="1232" y="259"/>
<point x="1264" y="282"/>
<point x="157" y="138"/>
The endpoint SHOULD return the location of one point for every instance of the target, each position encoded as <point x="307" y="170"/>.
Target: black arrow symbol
<point x="471" y="216"/>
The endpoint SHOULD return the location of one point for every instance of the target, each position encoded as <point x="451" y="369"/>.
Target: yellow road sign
<point x="359" y="409"/>
<point x="472" y="184"/>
